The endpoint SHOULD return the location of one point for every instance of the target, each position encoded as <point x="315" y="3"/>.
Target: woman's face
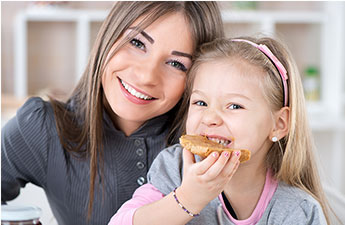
<point x="228" y="106"/>
<point x="146" y="77"/>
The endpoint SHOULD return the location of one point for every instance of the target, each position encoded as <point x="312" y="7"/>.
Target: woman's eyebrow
<point x="148" y="37"/>
<point x="181" y="54"/>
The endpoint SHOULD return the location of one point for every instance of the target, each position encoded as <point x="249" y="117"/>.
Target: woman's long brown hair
<point x="79" y="120"/>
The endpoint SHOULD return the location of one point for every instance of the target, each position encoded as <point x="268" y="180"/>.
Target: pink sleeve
<point x="142" y="196"/>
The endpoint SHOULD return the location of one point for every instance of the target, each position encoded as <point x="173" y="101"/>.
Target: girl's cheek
<point x="189" y="125"/>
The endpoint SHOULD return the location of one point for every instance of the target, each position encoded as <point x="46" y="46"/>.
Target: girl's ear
<point x="282" y="121"/>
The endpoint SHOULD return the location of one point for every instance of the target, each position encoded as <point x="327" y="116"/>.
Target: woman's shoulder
<point x="26" y="140"/>
<point x="35" y="108"/>
<point x="36" y="112"/>
<point x="34" y="120"/>
<point x="166" y="170"/>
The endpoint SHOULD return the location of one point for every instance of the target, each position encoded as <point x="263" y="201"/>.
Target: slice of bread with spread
<point x="201" y="146"/>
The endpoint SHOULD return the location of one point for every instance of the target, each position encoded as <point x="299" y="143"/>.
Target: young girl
<point x="247" y="94"/>
<point x="91" y="152"/>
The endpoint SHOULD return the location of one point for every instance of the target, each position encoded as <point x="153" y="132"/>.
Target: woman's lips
<point x="134" y="95"/>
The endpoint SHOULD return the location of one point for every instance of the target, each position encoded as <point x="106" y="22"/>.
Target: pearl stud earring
<point x="274" y="139"/>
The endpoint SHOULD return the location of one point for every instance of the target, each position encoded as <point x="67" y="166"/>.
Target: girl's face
<point x="228" y="106"/>
<point x="146" y="77"/>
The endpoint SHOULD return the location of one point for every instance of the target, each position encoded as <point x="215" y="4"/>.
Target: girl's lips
<point x="217" y="136"/>
<point x="219" y="139"/>
<point x="133" y="98"/>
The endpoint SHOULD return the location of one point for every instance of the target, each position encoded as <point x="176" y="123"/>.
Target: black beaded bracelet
<point x="182" y="207"/>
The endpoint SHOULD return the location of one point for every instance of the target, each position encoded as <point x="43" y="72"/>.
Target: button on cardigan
<point x="31" y="152"/>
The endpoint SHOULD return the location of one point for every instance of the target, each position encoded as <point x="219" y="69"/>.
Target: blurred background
<point x="45" y="47"/>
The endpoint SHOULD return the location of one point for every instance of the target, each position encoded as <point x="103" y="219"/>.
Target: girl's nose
<point x="211" y="118"/>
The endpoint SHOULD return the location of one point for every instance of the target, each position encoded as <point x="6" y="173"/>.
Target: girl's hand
<point x="203" y="181"/>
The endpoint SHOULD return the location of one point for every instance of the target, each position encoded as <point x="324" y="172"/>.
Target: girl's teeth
<point x="134" y="92"/>
<point x="220" y="141"/>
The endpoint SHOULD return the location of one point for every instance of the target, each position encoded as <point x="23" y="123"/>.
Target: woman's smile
<point x="134" y="95"/>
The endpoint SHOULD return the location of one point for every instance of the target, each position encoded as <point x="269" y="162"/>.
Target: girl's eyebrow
<point x="237" y="95"/>
<point x="226" y="94"/>
<point x="197" y="92"/>
<point x="148" y="37"/>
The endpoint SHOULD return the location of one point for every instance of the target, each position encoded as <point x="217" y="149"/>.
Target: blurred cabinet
<point x="83" y="23"/>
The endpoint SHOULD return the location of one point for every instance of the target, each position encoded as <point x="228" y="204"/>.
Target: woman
<point x="91" y="152"/>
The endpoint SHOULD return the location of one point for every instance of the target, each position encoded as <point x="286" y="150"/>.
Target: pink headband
<point x="282" y="71"/>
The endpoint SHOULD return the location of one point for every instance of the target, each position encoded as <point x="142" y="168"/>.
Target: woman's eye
<point x="200" y="103"/>
<point x="235" y="106"/>
<point x="137" y="43"/>
<point x="178" y="65"/>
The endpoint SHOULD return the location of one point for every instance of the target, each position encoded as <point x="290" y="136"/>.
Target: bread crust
<point x="201" y="146"/>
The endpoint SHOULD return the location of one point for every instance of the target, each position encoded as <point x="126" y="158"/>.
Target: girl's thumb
<point x="188" y="158"/>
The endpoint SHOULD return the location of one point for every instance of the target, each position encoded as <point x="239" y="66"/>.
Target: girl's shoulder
<point x="166" y="170"/>
<point x="295" y="195"/>
<point x="292" y="205"/>
<point x="171" y="153"/>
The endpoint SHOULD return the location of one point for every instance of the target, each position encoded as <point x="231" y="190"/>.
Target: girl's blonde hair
<point x="79" y="120"/>
<point x="291" y="159"/>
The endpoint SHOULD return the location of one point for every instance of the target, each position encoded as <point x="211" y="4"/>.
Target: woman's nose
<point x="211" y="118"/>
<point x="149" y="72"/>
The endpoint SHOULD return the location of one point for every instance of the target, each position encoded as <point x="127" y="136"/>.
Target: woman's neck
<point x="126" y="126"/>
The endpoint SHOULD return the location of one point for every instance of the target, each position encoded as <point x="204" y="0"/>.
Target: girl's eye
<point x="200" y="103"/>
<point x="178" y="65"/>
<point x="137" y="43"/>
<point x="235" y="106"/>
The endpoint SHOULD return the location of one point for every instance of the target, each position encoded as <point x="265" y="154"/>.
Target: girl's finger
<point x="205" y="164"/>
<point x="188" y="158"/>
<point x="232" y="164"/>
<point x="234" y="170"/>
<point x="218" y="166"/>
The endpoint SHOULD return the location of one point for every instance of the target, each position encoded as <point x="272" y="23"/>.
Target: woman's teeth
<point x="219" y="141"/>
<point x="134" y="92"/>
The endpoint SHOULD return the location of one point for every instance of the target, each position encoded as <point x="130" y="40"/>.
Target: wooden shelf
<point x="273" y="16"/>
<point x="326" y="52"/>
<point x="82" y="18"/>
